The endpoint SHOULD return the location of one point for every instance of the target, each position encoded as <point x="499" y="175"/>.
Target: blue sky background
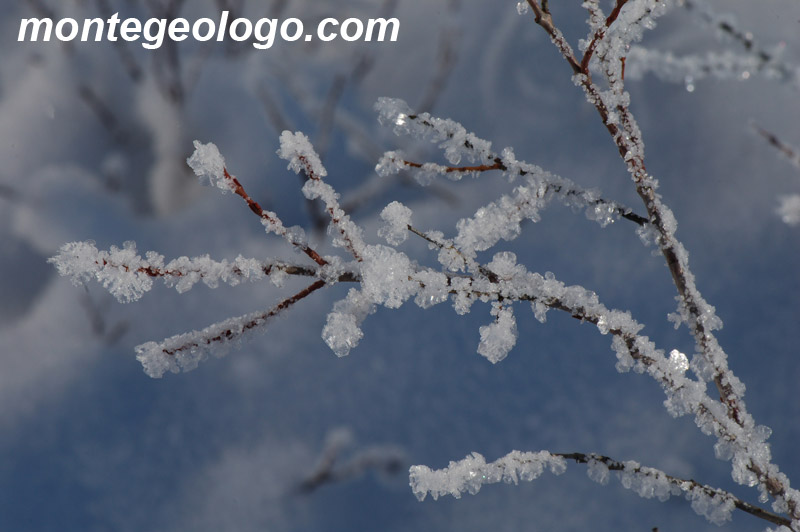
<point x="89" y="442"/>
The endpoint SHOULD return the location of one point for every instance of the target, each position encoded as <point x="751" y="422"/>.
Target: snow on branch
<point x="764" y="59"/>
<point x="742" y="441"/>
<point x="691" y="68"/>
<point x="209" y="166"/>
<point x="127" y="275"/>
<point x="296" y="148"/>
<point x="469" y="474"/>
<point x="458" y="143"/>
<point x="184" y="352"/>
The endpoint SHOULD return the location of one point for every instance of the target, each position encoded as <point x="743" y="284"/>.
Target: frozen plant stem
<point x="270" y="219"/>
<point x="469" y="474"/>
<point x="612" y="106"/>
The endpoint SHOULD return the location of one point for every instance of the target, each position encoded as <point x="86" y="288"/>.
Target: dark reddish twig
<point x="265" y="215"/>
<point x="685" y="485"/>
<point x="682" y="278"/>
<point x="599" y="34"/>
<point x="253" y="323"/>
<point x="622" y="212"/>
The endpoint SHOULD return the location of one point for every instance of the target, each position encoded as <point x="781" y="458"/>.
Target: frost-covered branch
<point x="735" y="428"/>
<point x="384" y="275"/>
<point x="766" y="60"/>
<point x="754" y="59"/>
<point x="296" y="149"/>
<point x="688" y="69"/>
<point x="209" y="166"/>
<point x="127" y="275"/>
<point x="469" y="474"/>
<point x="184" y="352"/>
<point x="458" y="144"/>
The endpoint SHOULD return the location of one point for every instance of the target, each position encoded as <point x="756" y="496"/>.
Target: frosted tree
<point x="467" y="267"/>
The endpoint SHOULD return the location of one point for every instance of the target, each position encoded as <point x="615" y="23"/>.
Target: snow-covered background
<point x="93" y="147"/>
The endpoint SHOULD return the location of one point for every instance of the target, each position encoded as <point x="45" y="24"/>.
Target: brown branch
<point x="335" y="219"/>
<point x="229" y="334"/>
<point x="545" y="20"/>
<point x="265" y="215"/>
<point x="684" y="485"/>
<point x="267" y="268"/>
<point x="599" y="34"/>
<point x="622" y="212"/>
<point x="682" y="278"/>
<point x="498" y="165"/>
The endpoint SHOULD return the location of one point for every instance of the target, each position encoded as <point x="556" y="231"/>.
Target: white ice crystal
<point x="433" y="288"/>
<point x="183" y="352"/>
<point x="390" y="163"/>
<point x="469" y="474"/>
<point x="297" y="149"/>
<point x="498" y="338"/>
<point x="452" y="137"/>
<point x="120" y="270"/>
<point x="341" y="333"/>
<point x="678" y="361"/>
<point x="209" y="166"/>
<point x="386" y="276"/>
<point x="597" y="470"/>
<point x="397" y="218"/>
<point x="127" y="275"/>
<point x="342" y="330"/>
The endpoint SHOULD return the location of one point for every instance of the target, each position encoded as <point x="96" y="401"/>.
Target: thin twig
<point x="622" y="212"/>
<point x="251" y="324"/>
<point x="683" y="484"/>
<point x="629" y="147"/>
<point x="267" y="216"/>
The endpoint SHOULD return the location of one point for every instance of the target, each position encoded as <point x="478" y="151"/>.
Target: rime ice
<point x="209" y="166"/>
<point x="296" y="148"/>
<point x="120" y="270"/>
<point x="397" y="217"/>
<point x="469" y="474"/>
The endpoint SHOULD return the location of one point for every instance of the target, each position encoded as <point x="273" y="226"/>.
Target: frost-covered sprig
<point x="209" y="165"/>
<point x="127" y="275"/>
<point x="546" y="184"/>
<point x="469" y="474"/>
<point x="296" y="148"/>
<point x="183" y="352"/>
<point x="766" y="60"/>
<point x="729" y="422"/>
<point x="451" y="136"/>
<point x="691" y="68"/>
